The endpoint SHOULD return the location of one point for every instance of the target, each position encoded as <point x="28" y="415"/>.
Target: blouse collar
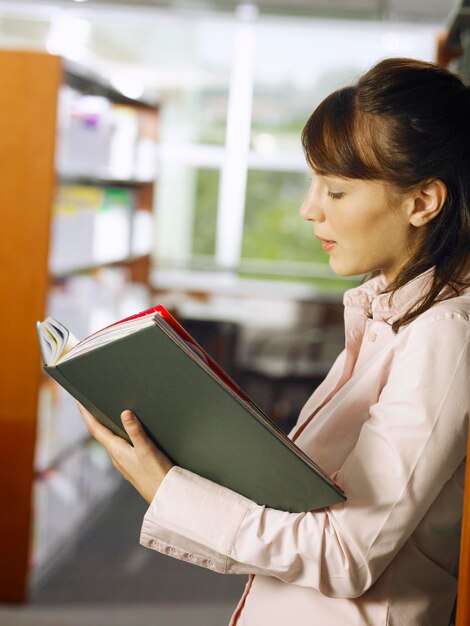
<point x="367" y="297"/>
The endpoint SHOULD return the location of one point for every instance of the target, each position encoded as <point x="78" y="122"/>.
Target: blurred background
<point x="151" y="153"/>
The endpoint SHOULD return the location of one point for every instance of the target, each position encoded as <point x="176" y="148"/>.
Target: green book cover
<point x="198" y="420"/>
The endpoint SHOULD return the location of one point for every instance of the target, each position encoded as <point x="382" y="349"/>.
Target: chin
<point x="346" y="271"/>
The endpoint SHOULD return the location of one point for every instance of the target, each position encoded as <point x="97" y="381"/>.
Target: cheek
<point x="352" y="228"/>
<point x="363" y="224"/>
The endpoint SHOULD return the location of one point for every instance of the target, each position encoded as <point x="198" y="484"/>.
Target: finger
<point x="97" y="430"/>
<point x="142" y="443"/>
<point x="134" y="429"/>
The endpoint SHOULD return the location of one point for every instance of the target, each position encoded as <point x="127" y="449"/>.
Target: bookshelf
<point x="77" y="196"/>
<point x="453" y="53"/>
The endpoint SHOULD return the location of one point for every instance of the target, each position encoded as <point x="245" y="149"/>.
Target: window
<point x="236" y="90"/>
<point x="245" y="217"/>
<point x="272" y="228"/>
<point x="206" y="188"/>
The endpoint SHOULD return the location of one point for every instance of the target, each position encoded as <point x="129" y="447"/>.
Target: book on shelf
<point x="84" y="215"/>
<point x="188" y="406"/>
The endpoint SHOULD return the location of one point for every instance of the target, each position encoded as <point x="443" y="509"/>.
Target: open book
<point x="187" y="404"/>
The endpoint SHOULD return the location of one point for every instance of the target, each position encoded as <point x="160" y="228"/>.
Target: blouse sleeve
<point x="409" y="447"/>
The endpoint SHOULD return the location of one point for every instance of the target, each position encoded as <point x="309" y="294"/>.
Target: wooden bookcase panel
<point x="30" y="84"/>
<point x="28" y="100"/>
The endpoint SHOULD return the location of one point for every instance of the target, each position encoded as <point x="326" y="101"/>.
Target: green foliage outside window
<point x="205" y="213"/>
<point x="277" y="243"/>
<point x="273" y="227"/>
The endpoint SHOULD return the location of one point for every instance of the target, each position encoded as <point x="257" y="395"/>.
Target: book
<point x="188" y="405"/>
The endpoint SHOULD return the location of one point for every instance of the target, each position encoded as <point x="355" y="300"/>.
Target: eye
<point x="336" y="196"/>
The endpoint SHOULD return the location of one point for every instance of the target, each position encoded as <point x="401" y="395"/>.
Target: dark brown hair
<point x="406" y="123"/>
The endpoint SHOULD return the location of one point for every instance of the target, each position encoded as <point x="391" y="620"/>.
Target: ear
<point x="428" y="201"/>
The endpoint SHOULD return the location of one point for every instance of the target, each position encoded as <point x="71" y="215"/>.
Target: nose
<point x="310" y="209"/>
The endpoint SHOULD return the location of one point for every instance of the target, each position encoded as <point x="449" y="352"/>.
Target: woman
<point x="389" y="197"/>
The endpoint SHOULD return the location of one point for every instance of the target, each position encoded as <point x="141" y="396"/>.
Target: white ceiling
<point x="436" y="11"/>
<point x="163" y="53"/>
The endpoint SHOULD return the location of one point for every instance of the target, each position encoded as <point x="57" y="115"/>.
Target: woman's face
<point x="369" y="233"/>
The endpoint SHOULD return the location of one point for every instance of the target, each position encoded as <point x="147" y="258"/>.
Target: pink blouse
<point x="389" y="423"/>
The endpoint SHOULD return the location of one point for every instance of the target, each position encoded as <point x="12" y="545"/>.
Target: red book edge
<point x="176" y="326"/>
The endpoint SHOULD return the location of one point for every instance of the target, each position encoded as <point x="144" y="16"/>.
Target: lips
<point x="325" y="240"/>
<point x="328" y="245"/>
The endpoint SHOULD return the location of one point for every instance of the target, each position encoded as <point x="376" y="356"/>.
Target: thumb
<point x="133" y="428"/>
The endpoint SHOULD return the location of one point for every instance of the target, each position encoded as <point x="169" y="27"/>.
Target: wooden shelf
<point x="30" y="84"/>
<point x="129" y="261"/>
<point x="26" y="193"/>
<point x="84" y="80"/>
<point x="103" y="182"/>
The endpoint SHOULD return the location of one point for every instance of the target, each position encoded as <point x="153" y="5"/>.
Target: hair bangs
<point x="339" y="141"/>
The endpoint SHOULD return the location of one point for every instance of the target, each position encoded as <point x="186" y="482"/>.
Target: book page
<point x="54" y="340"/>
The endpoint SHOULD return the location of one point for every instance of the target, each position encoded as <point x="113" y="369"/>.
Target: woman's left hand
<point x="142" y="464"/>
